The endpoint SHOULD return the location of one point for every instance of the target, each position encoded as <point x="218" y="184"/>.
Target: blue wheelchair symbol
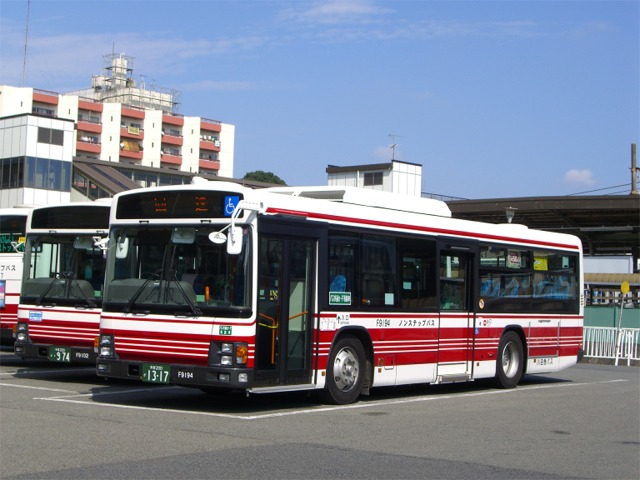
<point x="230" y="203"/>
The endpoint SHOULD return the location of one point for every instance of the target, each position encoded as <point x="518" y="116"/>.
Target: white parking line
<point x="30" y="372"/>
<point x="36" y="388"/>
<point x="361" y="405"/>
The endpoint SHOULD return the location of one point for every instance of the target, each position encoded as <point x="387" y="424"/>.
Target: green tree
<point x="266" y="177"/>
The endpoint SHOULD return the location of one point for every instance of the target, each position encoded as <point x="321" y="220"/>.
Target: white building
<point x="396" y="176"/>
<point x="35" y="159"/>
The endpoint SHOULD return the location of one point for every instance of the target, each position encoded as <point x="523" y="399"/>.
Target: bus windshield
<point x="63" y="269"/>
<point x="176" y="270"/>
<point x="12" y="233"/>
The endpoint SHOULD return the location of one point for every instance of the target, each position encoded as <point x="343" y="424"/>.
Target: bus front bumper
<point x="55" y="353"/>
<point x="184" y="375"/>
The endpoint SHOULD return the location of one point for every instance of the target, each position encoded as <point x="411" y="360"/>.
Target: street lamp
<point x="510" y="212"/>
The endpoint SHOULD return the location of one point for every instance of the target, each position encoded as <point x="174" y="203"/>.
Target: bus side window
<point x="452" y="282"/>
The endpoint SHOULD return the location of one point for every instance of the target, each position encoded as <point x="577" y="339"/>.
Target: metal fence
<point x="617" y="344"/>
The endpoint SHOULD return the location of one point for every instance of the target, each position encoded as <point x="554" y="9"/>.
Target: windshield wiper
<point x="56" y="278"/>
<point x="154" y="276"/>
<point x="74" y="280"/>
<point x="193" y="307"/>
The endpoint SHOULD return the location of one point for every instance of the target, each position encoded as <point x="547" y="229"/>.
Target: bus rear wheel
<point x="345" y="371"/>
<point x="510" y="361"/>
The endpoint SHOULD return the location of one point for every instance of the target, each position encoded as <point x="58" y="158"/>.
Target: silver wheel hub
<point x="345" y="369"/>
<point x="510" y="360"/>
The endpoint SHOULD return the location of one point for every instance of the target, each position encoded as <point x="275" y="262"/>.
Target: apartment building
<point x="116" y="122"/>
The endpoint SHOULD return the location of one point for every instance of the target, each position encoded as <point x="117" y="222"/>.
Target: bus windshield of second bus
<point x="62" y="286"/>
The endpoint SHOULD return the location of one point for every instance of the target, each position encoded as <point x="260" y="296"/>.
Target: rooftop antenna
<point x="26" y="37"/>
<point x="393" y="145"/>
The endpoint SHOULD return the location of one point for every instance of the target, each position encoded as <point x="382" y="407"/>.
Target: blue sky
<point x="492" y="98"/>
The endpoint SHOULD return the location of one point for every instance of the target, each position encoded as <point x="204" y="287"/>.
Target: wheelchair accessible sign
<point x="230" y="204"/>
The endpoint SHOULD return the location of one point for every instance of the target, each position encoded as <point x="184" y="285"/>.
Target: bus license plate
<point x="155" y="373"/>
<point x="60" y="354"/>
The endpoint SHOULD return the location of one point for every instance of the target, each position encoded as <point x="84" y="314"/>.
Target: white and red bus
<point x="13" y="223"/>
<point x="61" y="295"/>
<point x="331" y="289"/>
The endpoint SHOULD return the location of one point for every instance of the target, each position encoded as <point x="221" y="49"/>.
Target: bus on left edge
<point x="61" y="296"/>
<point x="13" y="223"/>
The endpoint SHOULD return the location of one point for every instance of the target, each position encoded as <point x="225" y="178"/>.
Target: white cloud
<point x="218" y="85"/>
<point x="579" y="177"/>
<point x="336" y="11"/>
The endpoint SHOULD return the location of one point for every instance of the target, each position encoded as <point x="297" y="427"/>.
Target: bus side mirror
<point x="234" y="241"/>
<point x="122" y="247"/>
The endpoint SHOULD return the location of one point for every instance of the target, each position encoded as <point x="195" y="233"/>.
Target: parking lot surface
<point x="65" y="422"/>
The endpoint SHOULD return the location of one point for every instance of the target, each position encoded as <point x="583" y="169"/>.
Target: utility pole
<point x="634" y="171"/>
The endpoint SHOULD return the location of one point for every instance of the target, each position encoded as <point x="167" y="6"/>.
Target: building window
<point x="372" y="178"/>
<point x="48" y="174"/>
<point x="11" y="172"/>
<point x="50" y="136"/>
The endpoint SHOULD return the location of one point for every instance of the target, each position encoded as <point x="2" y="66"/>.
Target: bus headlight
<point x="22" y="332"/>
<point x="229" y="354"/>
<point x="106" y="346"/>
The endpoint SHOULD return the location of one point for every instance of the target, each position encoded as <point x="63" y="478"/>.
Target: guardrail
<point x="612" y="343"/>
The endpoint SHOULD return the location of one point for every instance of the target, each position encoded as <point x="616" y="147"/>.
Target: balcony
<point x="213" y="126"/>
<point x="209" y="164"/>
<point x="130" y="112"/>
<point x="130" y="149"/>
<point x="88" y="146"/>
<point x="131" y="132"/>
<point x="170" y="159"/>
<point x="172" y="140"/>
<point x="210" y="145"/>
<point x="42" y="96"/>
<point x="84" y="126"/>
<point x="131" y="155"/>
<point x="173" y="119"/>
<point x="89" y="104"/>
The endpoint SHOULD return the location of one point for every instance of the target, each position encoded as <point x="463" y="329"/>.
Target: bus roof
<point x="369" y="198"/>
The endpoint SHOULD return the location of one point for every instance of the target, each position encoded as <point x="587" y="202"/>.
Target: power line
<point x="601" y="189"/>
<point x="26" y="37"/>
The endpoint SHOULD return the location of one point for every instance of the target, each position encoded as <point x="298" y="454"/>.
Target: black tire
<point x="345" y="372"/>
<point x="510" y="361"/>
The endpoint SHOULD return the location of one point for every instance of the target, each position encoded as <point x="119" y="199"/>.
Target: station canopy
<point x="606" y="224"/>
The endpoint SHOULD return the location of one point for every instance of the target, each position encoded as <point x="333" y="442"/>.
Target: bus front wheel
<point x="345" y="371"/>
<point x="510" y="361"/>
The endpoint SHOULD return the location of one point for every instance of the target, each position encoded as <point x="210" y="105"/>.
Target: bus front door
<point x="457" y="317"/>
<point x="286" y="286"/>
